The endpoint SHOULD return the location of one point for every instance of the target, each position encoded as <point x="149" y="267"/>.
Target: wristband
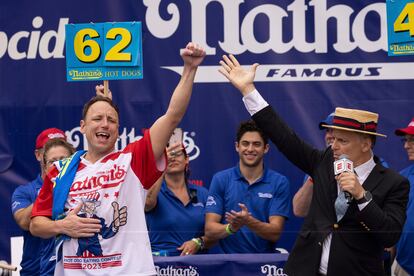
<point x="229" y="230"/>
<point x="199" y="242"/>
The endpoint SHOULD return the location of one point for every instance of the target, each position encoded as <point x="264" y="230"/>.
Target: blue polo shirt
<point x="268" y="196"/>
<point x="171" y="223"/>
<point x="22" y="197"/>
<point x="405" y="247"/>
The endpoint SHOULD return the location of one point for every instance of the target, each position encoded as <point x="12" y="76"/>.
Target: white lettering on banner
<point x="37" y="42"/>
<point x="78" y="140"/>
<point x="314" y="72"/>
<point x="191" y="148"/>
<point x="272" y="270"/>
<point x="239" y="35"/>
<point x="176" y="271"/>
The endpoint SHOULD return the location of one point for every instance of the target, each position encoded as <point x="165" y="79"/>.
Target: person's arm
<point x="43" y="226"/>
<point x="22" y="204"/>
<point x="194" y="245"/>
<point x="214" y="230"/>
<point x="385" y="216"/>
<point x="302" y="199"/>
<point x="267" y="230"/>
<point x="270" y="231"/>
<point x="22" y="217"/>
<point x="162" y="129"/>
<point x="152" y="195"/>
<point x="72" y="226"/>
<point x="293" y="147"/>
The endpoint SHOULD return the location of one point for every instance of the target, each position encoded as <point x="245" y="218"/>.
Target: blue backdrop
<point x="315" y="55"/>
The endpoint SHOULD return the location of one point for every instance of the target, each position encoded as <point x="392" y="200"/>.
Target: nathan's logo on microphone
<point x="343" y="164"/>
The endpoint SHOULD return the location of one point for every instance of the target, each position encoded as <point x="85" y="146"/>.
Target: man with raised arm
<point x="94" y="202"/>
<point x="353" y="215"/>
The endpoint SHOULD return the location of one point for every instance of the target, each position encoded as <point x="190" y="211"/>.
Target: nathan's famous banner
<point x="314" y="55"/>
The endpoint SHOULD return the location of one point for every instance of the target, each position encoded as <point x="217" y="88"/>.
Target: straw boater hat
<point x="355" y="120"/>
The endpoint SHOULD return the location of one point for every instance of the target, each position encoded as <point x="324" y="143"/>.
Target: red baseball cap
<point x="48" y="134"/>
<point x="409" y="130"/>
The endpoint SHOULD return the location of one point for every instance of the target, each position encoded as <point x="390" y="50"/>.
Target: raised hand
<point x="99" y="89"/>
<point x="78" y="227"/>
<point x="120" y="215"/>
<point x="348" y="181"/>
<point x="193" y="54"/>
<point x="238" y="219"/>
<point x="241" y="78"/>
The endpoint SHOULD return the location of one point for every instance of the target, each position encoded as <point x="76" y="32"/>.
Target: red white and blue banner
<point x="314" y="55"/>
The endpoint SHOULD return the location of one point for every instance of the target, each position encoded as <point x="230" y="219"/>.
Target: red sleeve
<point x="44" y="201"/>
<point x="143" y="161"/>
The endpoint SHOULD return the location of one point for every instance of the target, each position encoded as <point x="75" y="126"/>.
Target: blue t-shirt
<point x="405" y="246"/>
<point x="170" y="223"/>
<point x="268" y="196"/>
<point x="22" y="197"/>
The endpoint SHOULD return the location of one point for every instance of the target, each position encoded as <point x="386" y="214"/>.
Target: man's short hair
<point x="250" y="126"/>
<point x="95" y="100"/>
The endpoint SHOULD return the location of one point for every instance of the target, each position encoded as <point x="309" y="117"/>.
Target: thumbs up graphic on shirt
<point x="120" y="216"/>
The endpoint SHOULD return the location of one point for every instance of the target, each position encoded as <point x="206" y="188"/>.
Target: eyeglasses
<point x="176" y="153"/>
<point x="51" y="161"/>
<point x="407" y="140"/>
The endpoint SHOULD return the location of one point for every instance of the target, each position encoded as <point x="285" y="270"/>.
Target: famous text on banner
<point x="104" y="51"/>
<point x="400" y="21"/>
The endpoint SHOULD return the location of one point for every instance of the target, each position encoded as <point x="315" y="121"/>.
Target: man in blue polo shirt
<point x="404" y="263"/>
<point x="248" y="204"/>
<point x="22" y="202"/>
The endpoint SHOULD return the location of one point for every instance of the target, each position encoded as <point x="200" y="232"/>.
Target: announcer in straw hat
<point x="354" y="215"/>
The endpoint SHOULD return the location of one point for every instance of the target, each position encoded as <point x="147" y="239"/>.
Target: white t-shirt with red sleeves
<point x="116" y="183"/>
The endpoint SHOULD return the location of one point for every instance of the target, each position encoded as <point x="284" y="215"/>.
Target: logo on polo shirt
<point x="198" y="204"/>
<point x="265" y="195"/>
<point x="210" y="201"/>
<point x="15" y="204"/>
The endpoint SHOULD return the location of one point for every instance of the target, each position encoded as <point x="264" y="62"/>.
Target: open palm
<point x="241" y="78"/>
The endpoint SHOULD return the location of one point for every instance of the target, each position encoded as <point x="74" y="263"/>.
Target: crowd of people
<point x="121" y="208"/>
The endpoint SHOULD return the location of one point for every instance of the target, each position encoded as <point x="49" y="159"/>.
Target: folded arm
<point x="22" y="217"/>
<point x="72" y="226"/>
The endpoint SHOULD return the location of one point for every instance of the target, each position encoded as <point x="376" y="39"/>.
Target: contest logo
<point x="177" y="271"/>
<point x="85" y="74"/>
<point x="78" y="140"/>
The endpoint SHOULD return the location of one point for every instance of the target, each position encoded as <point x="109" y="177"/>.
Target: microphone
<point x="343" y="164"/>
